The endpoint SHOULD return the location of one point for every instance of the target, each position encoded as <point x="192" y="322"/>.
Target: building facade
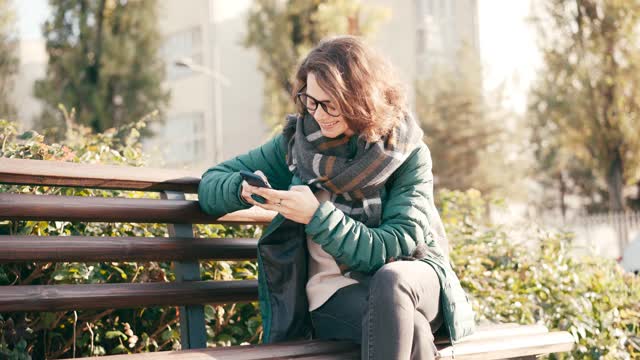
<point x="33" y="65"/>
<point x="208" y="121"/>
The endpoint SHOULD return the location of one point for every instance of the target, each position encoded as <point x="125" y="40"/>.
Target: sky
<point x="507" y="43"/>
<point x="508" y="48"/>
<point x="31" y="15"/>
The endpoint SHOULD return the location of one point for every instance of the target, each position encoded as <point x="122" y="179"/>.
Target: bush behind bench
<point x="534" y="280"/>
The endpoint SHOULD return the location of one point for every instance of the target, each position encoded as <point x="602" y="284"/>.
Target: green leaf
<point x="21" y="345"/>
<point x="166" y="335"/>
<point x="112" y="334"/>
<point x="47" y="319"/>
<point x="120" y="349"/>
<point x="27" y="135"/>
<point x="209" y="312"/>
<point x="123" y="274"/>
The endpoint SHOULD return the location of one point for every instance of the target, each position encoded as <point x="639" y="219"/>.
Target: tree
<point x="8" y="58"/>
<point x="565" y="179"/>
<point x="284" y="31"/>
<point x="472" y="137"/>
<point x="103" y="61"/>
<point x="588" y="94"/>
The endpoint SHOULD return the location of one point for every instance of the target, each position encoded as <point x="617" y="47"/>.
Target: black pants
<point x="392" y="314"/>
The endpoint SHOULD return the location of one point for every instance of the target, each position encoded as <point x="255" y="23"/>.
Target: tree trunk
<point x="563" y="193"/>
<point x="615" y="183"/>
<point x="98" y="55"/>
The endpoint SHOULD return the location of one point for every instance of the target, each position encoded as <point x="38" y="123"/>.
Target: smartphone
<point x="255" y="180"/>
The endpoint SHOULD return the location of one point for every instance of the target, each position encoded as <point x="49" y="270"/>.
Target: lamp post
<point x="218" y="79"/>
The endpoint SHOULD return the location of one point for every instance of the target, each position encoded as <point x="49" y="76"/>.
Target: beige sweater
<point x="325" y="277"/>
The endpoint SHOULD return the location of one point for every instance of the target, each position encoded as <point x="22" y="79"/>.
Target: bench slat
<point x="506" y="332"/>
<point x="497" y="347"/>
<point x="98" y="209"/>
<point x="489" y="331"/>
<point x="58" y="173"/>
<point x="109" y="248"/>
<point x="136" y="295"/>
<point x="350" y="355"/>
<point x="509" y="347"/>
<point x="298" y="349"/>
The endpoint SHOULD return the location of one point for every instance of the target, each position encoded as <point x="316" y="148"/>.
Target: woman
<point x="352" y="184"/>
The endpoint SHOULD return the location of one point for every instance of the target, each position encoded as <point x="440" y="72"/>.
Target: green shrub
<point x="537" y="280"/>
<point x="109" y="331"/>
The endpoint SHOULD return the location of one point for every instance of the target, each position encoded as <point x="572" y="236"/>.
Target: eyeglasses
<point x="311" y="104"/>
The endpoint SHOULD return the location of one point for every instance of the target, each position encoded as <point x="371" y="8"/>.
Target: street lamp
<point x="218" y="79"/>
<point x="189" y="64"/>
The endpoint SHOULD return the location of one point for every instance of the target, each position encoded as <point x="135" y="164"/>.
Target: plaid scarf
<point x="353" y="180"/>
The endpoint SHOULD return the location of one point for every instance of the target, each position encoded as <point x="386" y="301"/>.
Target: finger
<point x="300" y="188"/>
<point x="245" y="186"/>
<point x="263" y="176"/>
<point x="246" y="193"/>
<point x="247" y="197"/>
<point x="273" y="195"/>
<point x="270" y="206"/>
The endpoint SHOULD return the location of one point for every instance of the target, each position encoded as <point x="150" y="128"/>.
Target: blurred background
<point x="533" y="102"/>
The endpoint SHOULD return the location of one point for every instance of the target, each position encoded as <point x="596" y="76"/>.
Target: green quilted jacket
<point x="407" y="199"/>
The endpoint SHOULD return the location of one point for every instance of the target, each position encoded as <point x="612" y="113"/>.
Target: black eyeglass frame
<point x="301" y="93"/>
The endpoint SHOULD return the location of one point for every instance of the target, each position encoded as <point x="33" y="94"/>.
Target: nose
<point x="320" y="114"/>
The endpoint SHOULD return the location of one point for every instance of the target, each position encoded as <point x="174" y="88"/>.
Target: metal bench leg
<point x="192" y="325"/>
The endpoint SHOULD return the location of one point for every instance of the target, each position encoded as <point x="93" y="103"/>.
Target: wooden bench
<point x="189" y="291"/>
<point x="503" y="341"/>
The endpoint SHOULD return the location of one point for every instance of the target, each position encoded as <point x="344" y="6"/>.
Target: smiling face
<point x="330" y="126"/>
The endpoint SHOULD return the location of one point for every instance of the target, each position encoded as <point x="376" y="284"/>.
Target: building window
<point x="183" y="44"/>
<point x="184" y="139"/>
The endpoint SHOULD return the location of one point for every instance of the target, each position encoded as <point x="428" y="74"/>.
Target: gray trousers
<point x="392" y="314"/>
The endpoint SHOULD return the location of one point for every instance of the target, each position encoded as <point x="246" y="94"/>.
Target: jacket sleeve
<point x="220" y="187"/>
<point x="404" y="223"/>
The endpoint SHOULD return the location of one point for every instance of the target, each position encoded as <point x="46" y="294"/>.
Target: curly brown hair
<point x="361" y="81"/>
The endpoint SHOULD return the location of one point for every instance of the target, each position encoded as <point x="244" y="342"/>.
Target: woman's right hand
<point x="247" y="190"/>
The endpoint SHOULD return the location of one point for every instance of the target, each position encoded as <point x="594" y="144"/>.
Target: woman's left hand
<point x="297" y="204"/>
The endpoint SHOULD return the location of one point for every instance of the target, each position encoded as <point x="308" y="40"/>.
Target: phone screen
<point x="253" y="179"/>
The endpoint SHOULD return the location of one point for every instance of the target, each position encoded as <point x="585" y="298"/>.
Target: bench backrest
<point x="181" y="247"/>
